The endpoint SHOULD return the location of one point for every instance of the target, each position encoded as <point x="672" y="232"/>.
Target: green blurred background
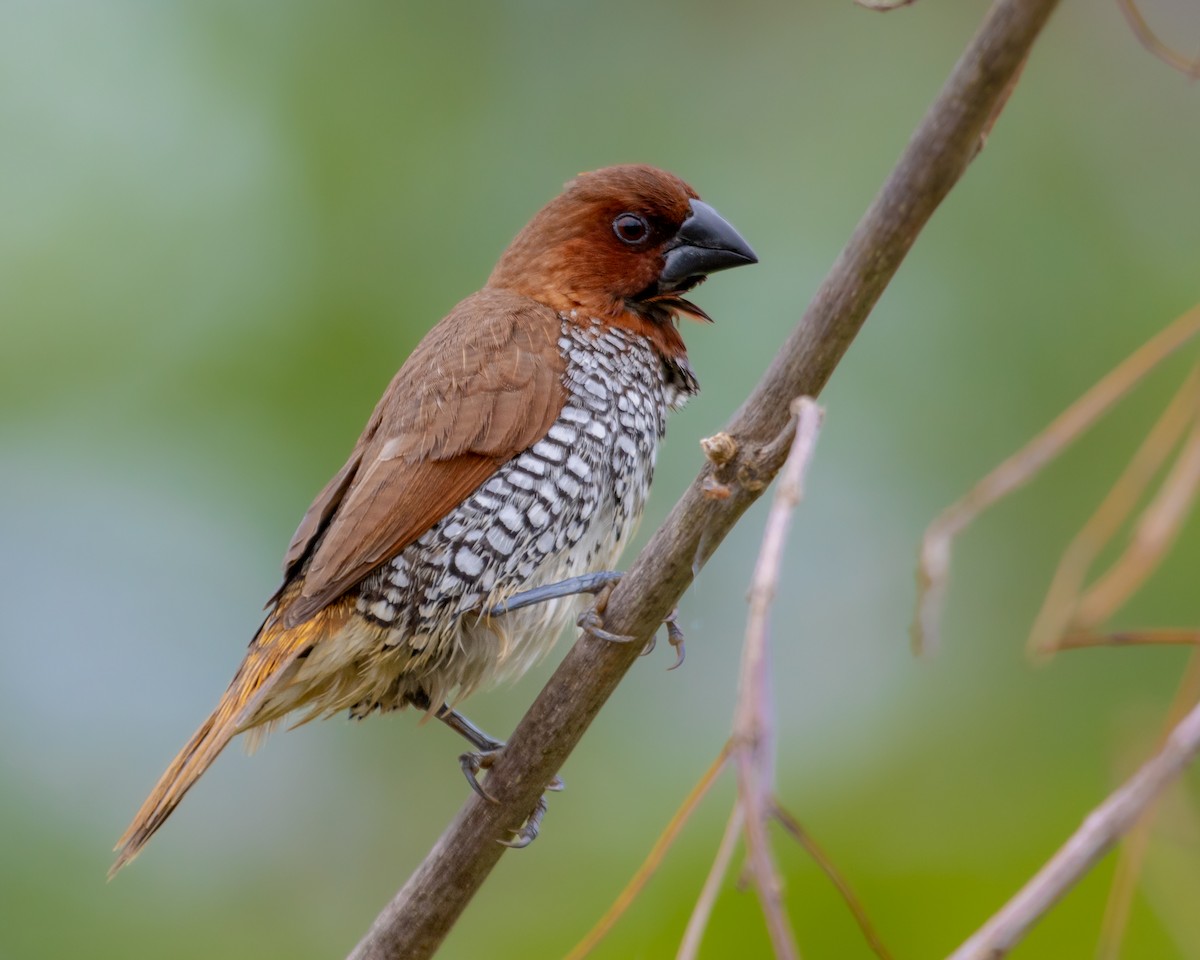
<point x="224" y="225"/>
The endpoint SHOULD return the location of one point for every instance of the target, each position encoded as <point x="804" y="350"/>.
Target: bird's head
<point x="622" y="243"/>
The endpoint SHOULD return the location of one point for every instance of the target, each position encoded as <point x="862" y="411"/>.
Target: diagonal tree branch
<point x="419" y="917"/>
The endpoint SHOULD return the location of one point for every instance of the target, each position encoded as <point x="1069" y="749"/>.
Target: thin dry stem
<point x="1156" y="530"/>
<point x="702" y="911"/>
<point x="884" y="6"/>
<point x="1062" y="599"/>
<point x="934" y="562"/>
<point x="1135" y="845"/>
<point x="1167" y="637"/>
<point x="753" y="723"/>
<point x="653" y="859"/>
<point x="822" y="860"/>
<point x="751" y="743"/>
<point x="1100" y="831"/>
<point x="1149" y="39"/>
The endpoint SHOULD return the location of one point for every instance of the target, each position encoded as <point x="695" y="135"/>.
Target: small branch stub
<point x="720" y="448"/>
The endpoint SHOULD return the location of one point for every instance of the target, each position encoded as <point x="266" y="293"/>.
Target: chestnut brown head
<point x="625" y="239"/>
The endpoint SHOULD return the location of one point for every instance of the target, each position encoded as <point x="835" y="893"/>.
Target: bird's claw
<point x="675" y="637"/>
<point x="591" y="620"/>
<point x="528" y="831"/>
<point x="472" y="764"/>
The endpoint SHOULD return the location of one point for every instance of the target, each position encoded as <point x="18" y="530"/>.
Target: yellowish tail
<point x="270" y="659"/>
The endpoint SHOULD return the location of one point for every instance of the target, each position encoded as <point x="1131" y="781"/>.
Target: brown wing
<point x="484" y="384"/>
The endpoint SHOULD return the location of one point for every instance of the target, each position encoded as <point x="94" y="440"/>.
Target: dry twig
<point x="1156" y="530"/>
<point x="653" y="860"/>
<point x="752" y="749"/>
<point x="1166" y="637"/>
<point x="934" y="564"/>
<point x="698" y="921"/>
<point x="1135" y="845"/>
<point x="883" y="6"/>
<point x="1057" y="616"/>
<point x="1069" y="616"/>
<point x="427" y="906"/>
<point x="1100" y="831"/>
<point x="753" y="724"/>
<point x="1149" y="39"/>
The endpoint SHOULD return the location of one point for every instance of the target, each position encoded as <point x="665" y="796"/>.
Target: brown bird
<point x="512" y="451"/>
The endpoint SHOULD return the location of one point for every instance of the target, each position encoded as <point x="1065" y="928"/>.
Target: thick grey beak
<point x="705" y="243"/>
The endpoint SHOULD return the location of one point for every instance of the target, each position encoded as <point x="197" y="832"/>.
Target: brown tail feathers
<point x="242" y="706"/>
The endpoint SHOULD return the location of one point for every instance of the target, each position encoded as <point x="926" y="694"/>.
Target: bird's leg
<point x="572" y="586"/>
<point x="482" y="757"/>
<point x="600" y="583"/>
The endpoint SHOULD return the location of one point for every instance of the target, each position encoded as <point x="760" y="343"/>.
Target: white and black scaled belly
<point x="563" y="507"/>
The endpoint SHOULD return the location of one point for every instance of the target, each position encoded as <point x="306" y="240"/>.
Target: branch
<point x="1149" y="39"/>
<point x="1103" y="827"/>
<point x="750" y="747"/>
<point x="1127" y="876"/>
<point x="422" y="913"/>
<point x="753" y="722"/>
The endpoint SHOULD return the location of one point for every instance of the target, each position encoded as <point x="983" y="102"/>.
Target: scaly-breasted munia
<point x="513" y="449"/>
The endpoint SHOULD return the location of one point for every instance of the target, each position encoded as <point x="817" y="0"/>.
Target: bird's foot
<point x="591" y="621"/>
<point x="674" y="638"/>
<point x="474" y="763"/>
<point x="528" y="831"/>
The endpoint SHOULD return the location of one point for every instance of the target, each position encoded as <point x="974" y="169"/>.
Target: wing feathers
<point x="484" y="385"/>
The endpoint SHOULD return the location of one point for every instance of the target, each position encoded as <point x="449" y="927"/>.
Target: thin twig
<point x="1149" y="39"/>
<point x="702" y="911"/>
<point x="883" y="6"/>
<point x="1100" y="831"/>
<point x="1062" y="599"/>
<point x="823" y="860"/>
<point x="1156" y="530"/>
<point x="753" y="723"/>
<point x="422" y="913"/>
<point x="653" y="860"/>
<point x="934" y="564"/>
<point x="752" y="745"/>
<point x="1166" y="637"/>
<point x="1135" y="845"/>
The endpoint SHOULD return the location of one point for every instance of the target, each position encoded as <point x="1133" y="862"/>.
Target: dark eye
<point x="630" y="228"/>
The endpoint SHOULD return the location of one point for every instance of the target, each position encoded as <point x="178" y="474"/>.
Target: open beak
<point x="706" y="242"/>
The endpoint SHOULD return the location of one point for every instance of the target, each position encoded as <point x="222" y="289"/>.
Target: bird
<point x="507" y="462"/>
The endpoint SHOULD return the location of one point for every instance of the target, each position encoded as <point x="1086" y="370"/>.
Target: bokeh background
<point x="222" y="228"/>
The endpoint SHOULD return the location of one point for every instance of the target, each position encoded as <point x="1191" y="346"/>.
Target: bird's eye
<point x="630" y="228"/>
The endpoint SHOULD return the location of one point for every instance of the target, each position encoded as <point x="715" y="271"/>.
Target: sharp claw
<point x="471" y="764"/>
<point x="675" y="638"/>
<point x="556" y="785"/>
<point x="529" y="830"/>
<point x="589" y="621"/>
